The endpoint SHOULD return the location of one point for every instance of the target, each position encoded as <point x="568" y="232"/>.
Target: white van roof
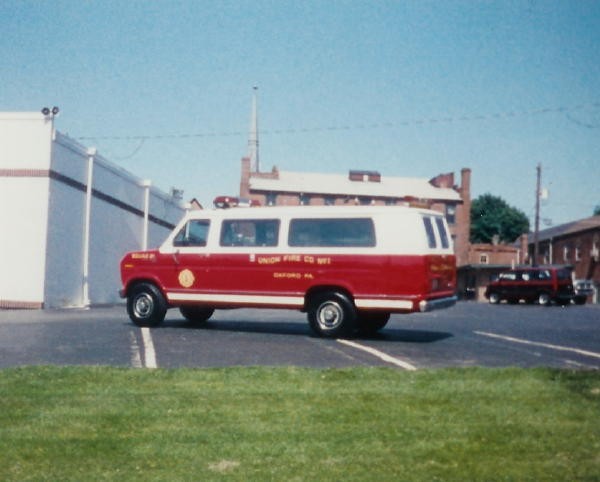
<point x="305" y="211"/>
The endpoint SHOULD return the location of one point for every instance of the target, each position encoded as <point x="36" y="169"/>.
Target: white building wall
<point x="23" y="223"/>
<point x="64" y="247"/>
<point x="43" y="194"/>
<point x="25" y="151"/>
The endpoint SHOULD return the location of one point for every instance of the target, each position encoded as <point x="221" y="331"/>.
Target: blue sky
<point x="409" y="88"/>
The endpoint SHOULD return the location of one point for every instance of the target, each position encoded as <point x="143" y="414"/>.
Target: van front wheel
<point x="332" y="315"/>
<point x="494" y="298"/>
<point x="146" y="305"/>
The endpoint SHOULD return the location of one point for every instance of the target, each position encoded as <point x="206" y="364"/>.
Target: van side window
<point x="194" y="233"/>
<point x="250" y="232"/>
<point x="355" y="232"/>
<point x="429" y="231"/>
<point x="443" y="234"/>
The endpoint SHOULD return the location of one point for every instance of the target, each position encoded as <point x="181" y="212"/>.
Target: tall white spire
<point x="253" y="137"/>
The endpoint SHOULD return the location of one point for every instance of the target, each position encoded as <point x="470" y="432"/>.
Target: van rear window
<point x="332" y="232"/>
<point x="443" y="234"/>
<point x="430" y="233"/>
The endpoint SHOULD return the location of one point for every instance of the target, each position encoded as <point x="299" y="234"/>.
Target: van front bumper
<point x="437" y="304"/>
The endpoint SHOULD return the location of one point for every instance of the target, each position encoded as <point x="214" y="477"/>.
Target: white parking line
<point x="136" y="357"/>
<point x="537" y="343"/>
<point x="379" y="354"/>
<point x="148" y="347"/>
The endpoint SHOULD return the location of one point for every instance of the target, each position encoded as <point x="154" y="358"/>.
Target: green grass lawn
<point x="289" y="424"/>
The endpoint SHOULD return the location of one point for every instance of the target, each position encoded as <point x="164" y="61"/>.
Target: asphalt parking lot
<point x="469" y="334"/>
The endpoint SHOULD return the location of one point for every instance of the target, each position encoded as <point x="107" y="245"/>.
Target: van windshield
<point x="194" y="233"/>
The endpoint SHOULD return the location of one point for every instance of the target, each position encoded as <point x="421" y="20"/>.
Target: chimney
<point x="364" y="176"/>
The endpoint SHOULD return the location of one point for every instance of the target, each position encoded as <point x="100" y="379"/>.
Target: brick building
<point x="365" y="187"/>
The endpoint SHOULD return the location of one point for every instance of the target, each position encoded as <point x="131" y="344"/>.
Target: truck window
<point x="430" y="233"/>
<point x="355" y="232"/>
<point x="194" y="233"/>
<point x="443" y="234"/>
<point x="250" y="232"/>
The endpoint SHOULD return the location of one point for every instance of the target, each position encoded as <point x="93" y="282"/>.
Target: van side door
<point x="189" y="264"/>
<point x="246" y="256"/>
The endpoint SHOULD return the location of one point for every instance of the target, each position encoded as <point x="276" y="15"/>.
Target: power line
<point x="369" y="126"/>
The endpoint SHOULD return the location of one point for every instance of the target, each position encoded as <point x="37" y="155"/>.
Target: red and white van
<point x="348" y="267"/>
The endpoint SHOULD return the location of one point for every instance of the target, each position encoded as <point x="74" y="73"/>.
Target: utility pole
<point x="538" y="188"/>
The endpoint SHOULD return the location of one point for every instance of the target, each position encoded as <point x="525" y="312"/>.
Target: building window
<point x="365" y="201"/>
<point x="578" y="252"/>
<point x="271" y="199"/>
<point x="483" y="259"/>
<point x="329" y="200"/>
<point x="304" y="199"/>
<point x="450" y="213"/>
<point x="566" y="254"/>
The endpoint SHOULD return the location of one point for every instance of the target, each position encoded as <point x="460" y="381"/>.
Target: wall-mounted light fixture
<point x="47" y="111"/>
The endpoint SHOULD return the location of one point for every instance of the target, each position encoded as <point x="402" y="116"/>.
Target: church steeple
<point x="253" y="137"/>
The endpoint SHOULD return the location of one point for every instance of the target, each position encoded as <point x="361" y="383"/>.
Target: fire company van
<point x="347" y="267"/>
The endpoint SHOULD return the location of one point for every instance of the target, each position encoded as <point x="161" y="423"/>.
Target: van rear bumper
<point x="437" y="304"/>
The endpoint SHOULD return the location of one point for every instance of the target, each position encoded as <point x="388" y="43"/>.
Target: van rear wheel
<point x="196" y="315"/>
<point x="544" y="299"/>
<point x="332" y="315"/>
<point x="370" y="323"/>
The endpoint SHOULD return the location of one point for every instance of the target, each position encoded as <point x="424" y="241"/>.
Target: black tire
<point x="146" y="305"/>
<point x="580" y="300"/>
<point x="197" y="315"/>
<point x="544" y="299"/>
<point x="494" y="298"/>
<point x="371" y="322"/>
<point x="332" y="315"/>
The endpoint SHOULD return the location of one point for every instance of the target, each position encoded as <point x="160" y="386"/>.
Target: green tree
<point x="491" y="216"/>
<point x="597" y="210"/>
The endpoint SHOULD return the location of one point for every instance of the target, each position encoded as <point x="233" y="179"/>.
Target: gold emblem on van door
<point x="186" y="278"/>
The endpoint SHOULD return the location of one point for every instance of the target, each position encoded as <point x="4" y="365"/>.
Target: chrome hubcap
<point x="330" y="315"/>
<point x="143" y="305"/>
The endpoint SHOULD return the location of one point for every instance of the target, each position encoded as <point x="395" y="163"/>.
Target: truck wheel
<point x="196" y="315"/>
<point x="544" y="299"/>
<point x="146" y="305"/>
<point x="494" y="298"/>
<point x="332" y="315"/>
<point x="371" y="322"/>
